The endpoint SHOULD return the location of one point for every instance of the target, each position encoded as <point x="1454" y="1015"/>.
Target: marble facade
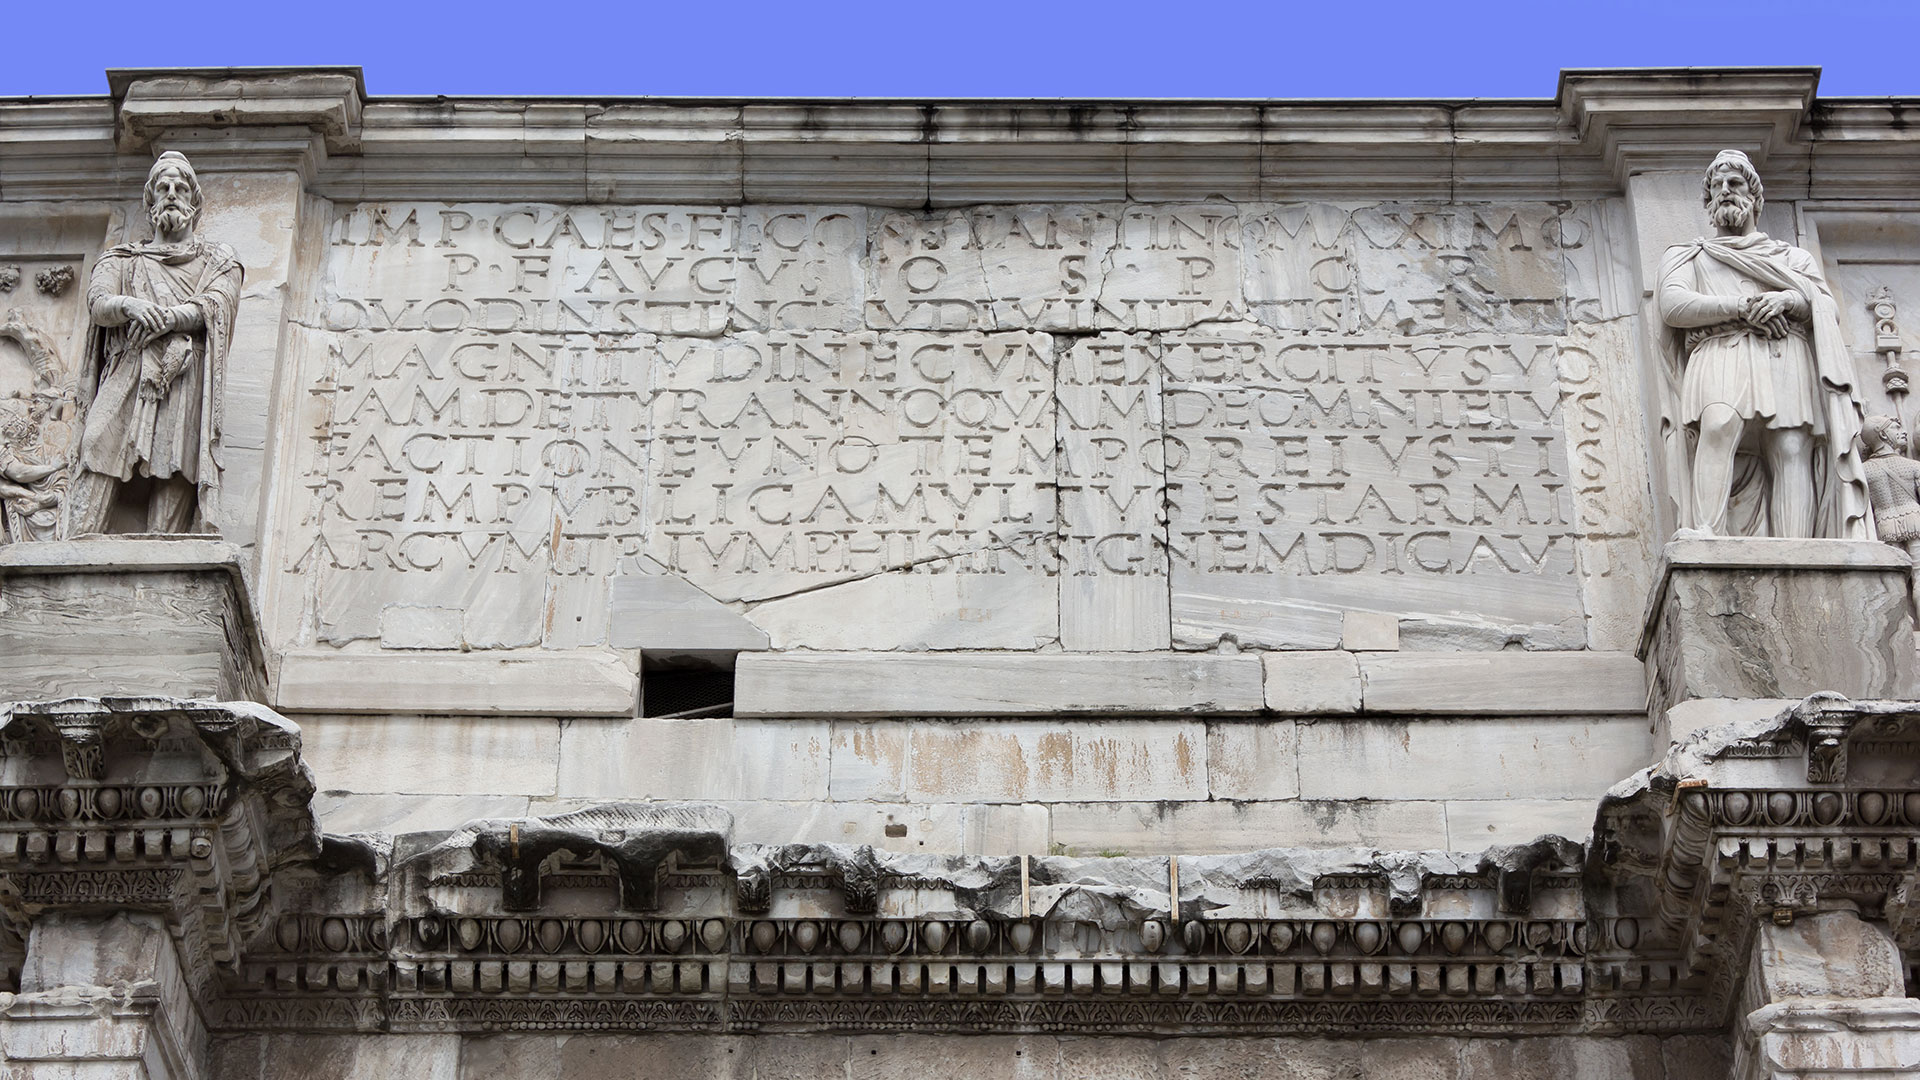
<point x="806" y="588"/>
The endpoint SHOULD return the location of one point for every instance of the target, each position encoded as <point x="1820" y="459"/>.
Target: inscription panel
<point x="1113" y="426"/>
<point x="1307" y="477"/>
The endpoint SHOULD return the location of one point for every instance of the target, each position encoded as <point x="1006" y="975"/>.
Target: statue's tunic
<point x="1804" y="379"/>
<point x="1732" y="363"/>
<point x="170" y="435"/>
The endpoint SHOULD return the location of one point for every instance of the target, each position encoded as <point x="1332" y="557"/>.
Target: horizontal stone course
<point x="1303" y="683"/>
<point x="1022" y="761"/>
<point x="987" y="684"/>
<point x="1007" y="785"/>
<point x="433" y="755"/>
<point x="540" y="1056"/>
<point x="695" y="759"/>
<point x="578" y="683"/>
<point x="1473" y="824"/>
<point x="1194" y="828"/>
<point x="1147" y="828"/>
<point x="1504" y="682"/>
<point x="1328" y="682"/>
<point x="1480" y="758"/>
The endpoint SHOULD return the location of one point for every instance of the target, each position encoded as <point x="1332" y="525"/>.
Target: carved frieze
<point x="1815" y="809"/>
<point x="186" y="809"/>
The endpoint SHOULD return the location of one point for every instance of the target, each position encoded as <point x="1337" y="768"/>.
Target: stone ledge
<point x="115" y="554"/>
<point x="1777" y="553"/>
<point x="574" y="684"/>
<point x="1335" y="682"/>
<point x="1538" y="683"/>
<point x="995" y="684"/>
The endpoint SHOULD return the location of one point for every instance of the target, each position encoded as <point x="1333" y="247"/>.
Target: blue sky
<point x="925" y="48"/>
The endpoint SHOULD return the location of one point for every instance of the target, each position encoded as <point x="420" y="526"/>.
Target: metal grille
<point x="686" y="693"/>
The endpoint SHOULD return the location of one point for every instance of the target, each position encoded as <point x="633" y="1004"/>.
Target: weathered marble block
<point x="1825" y="998"/>
<point x="114" y="616"/>
<point x="1777" y="618"/>
<point x="102" y="995"/>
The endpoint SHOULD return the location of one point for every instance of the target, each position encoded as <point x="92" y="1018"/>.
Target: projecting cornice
<point x="1602" y="126"/>
<point x="239" y="118"/>
<point x="1667" y="119"/>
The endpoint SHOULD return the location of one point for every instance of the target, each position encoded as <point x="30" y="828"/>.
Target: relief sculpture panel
<point x="1113" y="426"/>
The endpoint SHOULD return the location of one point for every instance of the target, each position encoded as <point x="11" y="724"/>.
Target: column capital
<point x="1646" y="120"/>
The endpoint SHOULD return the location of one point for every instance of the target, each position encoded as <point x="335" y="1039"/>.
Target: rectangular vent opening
<point x="677" y="693"/>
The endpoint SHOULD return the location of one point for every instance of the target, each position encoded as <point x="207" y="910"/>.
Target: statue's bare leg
<point x="1713" y="467"/>
<point x="90" y="503"/>
<point x="1790" y="459"/>
<point x="171" y="510"/>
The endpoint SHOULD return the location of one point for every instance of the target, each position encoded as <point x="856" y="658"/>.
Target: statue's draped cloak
<point x="179" y="434"/>
<point x="1840" y="479"/>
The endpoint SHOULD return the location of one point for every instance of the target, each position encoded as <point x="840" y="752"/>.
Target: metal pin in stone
<point x="1173" y="887"/>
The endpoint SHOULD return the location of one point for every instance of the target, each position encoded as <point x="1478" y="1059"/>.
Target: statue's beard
<point x="171" y="219"/>
<point x="1732" y="211"/>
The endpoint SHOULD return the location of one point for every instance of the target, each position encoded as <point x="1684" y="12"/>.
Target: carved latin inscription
<point x="1084" y="422"/>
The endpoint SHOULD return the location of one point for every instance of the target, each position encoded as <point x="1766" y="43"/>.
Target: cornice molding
<point x="1602" y="126"/>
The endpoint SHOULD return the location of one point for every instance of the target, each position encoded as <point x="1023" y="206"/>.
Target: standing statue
<point x="150" y="381"/>
<point x="1893" y="480"/>
<point x="1764" y="441"/>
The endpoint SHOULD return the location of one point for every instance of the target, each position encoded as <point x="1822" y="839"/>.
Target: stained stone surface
<point x="1835" y="955"/>
<point x="87" y="618"/>
<point x="1781" y="619"/>
<point x="536" y="1056"/>
<point x="1827" y="996"/>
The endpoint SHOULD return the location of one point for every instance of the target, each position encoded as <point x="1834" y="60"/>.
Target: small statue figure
<point x="33" y="440"/>
<point x="150" y="380"/>
<point x="1893" y="479"/>
<point x="1763" y="440"/>
<point x="28" y="492"/>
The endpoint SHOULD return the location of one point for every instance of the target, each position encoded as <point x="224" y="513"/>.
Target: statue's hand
<point x="147" y="317"/>
<point x="1768" y="307"/>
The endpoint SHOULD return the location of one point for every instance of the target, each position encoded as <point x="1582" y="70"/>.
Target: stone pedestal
<point x="127" y="617"/>
<point x="1771" y="621"/>
<point x="102" y="998"/>
<point x="1825" y="999"/>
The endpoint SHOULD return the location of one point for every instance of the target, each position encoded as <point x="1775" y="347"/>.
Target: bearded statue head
<point x="1732" y="192"/>
<point x="172" y="196"/>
